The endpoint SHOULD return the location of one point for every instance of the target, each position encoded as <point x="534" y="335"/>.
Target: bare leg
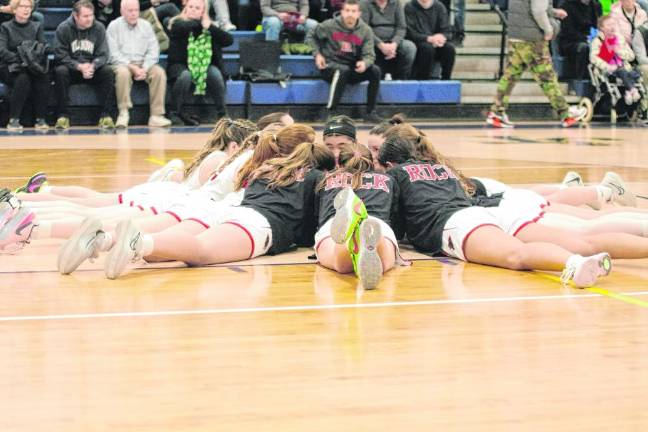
<point x="71" y="191"/>
<point x="179" y="228"/>
<point x="603" y="224"/>
<point x="98" y="200"/>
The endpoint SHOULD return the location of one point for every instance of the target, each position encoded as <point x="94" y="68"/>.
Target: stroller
<point x="605" y="98"/>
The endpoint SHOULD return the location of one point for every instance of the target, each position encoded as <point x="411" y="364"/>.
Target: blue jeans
<point x="272" y="26"/>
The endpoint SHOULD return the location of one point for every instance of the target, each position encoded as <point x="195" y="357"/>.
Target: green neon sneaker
<point x="350" y="211"/>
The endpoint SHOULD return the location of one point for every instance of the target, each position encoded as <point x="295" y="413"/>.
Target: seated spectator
<point x="195" y="60"/>
<point x="639" y="44"/>
<point x="106" y="10"/>
<point x="164" y="10"/>
<point x="278" y="14"/>
<point x="134" y="54"/>
<point x="628" y="17"/>
<point x="612" y="56"/>
<point x="6" y="14"/>
<point x="429" y="28"/>
<point x="344" y="53"/>
<point x="222" y="15"/>
<point x="81" y="55"/>
<point x="25" y="80"/>
<point x="458" y="27"/>
<point x="394" y="53"/>
<point x="573" y="44"/>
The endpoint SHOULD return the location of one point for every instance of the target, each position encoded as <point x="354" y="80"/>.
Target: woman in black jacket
<point x="22" y="80"/>
<point x="195" y="60"/>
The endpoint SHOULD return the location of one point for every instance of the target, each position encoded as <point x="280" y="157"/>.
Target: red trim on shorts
<point x="132" y="204"/>
<point x="174" y="215"/>
<point x="154" y="210"/>
<point x="140" y="207"/>
<point x="199" y="221"/>
<point x="246" y="232"/>
<point x="463" y="243"/>
<point x="120" y="198"/>
<point x="319" y="243"/>
<point x="534" y="220"/>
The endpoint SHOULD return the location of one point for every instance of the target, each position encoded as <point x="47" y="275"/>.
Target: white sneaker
<point x="499" y="120"/>
<point x="620" y="192"/>
<point x="369" y="266"/>
<point x="122" y="119"/>
<point x="577" y="112"/>
<point x="81" y="246"/>
<point x="166" y="172"/>
<point x="159" y="121"/>
<point x="572" y="178"/>
<point x="127" y="248"/>
<point x="228" y="27"/>
<point x="627" y="97"/>
<point x="388" y="77"/>
<point x="584" y="271"/>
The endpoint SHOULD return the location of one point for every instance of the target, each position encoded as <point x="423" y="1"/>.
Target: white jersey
<point x="225" y="182"/>
<point x="193" y="181"/>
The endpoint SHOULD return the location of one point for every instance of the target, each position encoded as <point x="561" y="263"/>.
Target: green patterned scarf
<point x="199" y="54"/>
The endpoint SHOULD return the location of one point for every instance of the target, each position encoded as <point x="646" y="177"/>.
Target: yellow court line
<point x="155" y="161"/>
<point x="605" y="293"/>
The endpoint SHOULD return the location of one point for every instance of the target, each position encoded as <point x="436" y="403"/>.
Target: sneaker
<point x="8" y="205"/>
<point x="372" y="117"/>
<point x="364" y="255"/>
<point x="189" y="120"/>
<point x="106" y="122"/>
<point x="127" y="248"/>
<point x="636" y="96"/>
<point x="62" y="123"/>
<point x="81" y="246"/>
<point x="388" y="77"/>
<point x="584" y="271"/>
<point x="34" y="184"/>
<point x="175" y="119"/>
<point x="228" y="27"/>
<point x="41" y="124"/>
<point x="350" y="211"/>
<point x="122" y="120"/>
<point x="14" y="125"/>
<point x="627" y="97"/>
<point x="159" y="121"/>
<point x="572" y="178"/>
<point x="165" y="173"/>
<point x="499" y="120"/>
<point x="574" y="115"/>
<point x="16" y="231"/>
<point x="620" y="192"/>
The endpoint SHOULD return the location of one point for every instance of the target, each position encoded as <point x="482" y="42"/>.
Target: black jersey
<point x="429" y="195"/>
<point x="481" y="197"/>
<point x="290" y="210"/>
<point x="379" y="193"/>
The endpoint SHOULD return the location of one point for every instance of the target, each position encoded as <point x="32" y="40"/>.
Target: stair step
<point x="484" y="28"/>
<point x="477" y="7"/>
<point x="481" y="100"/>
<point x="485" y="18"/>
<point x="479" y="51"/>
<point x="486" y="63"/>
<point x="482" y="40"/>
<point x="488" y="88"/>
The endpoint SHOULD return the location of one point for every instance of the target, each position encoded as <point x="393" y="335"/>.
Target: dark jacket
<point x="179" y="31"/>
<point x="73" y="46"/>
<point x="580" y="19"/>
<point x="12" y="34"/>
<point x="422" y="23"/>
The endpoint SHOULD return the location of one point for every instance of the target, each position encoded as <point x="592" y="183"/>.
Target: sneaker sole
<point x="25" y="218"/>
<point x="627" y="198"/>
<point x="119" y="256"/>
<point x="73" y="251"/>
<point x="346" y="218"/>
<point x="370" y="269"/>
<point x="591" y="270"/>
<point x="497" y="125"/>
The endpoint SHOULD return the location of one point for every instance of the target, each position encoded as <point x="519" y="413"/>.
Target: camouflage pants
<point x="535" y="57"/>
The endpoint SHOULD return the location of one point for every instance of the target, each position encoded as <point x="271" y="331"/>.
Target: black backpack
<point x="260" y="62"/>
<point x="33" y="56"/>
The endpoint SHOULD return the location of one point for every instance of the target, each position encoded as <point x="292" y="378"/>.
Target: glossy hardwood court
<point x="440" y="346"/>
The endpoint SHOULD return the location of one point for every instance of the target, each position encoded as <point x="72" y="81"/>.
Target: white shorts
<point x="199" y="207"/>
<point x="325" y="232"/>
<point x="518" y="208"/>
<point x="255" y="225"/>
<point x="157" y="196"/>
<point x="461" y="225"/>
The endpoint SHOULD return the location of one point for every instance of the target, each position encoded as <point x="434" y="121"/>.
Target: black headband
<point x="340" y="129"/>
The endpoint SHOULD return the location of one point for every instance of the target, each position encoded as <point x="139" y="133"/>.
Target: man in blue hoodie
<point x="81" y="54"/>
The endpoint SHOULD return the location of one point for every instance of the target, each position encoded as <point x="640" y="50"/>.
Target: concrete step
<point x="473" y="63"/>
<point x="481" y="17"/>
<point x="484" y="28"/>
<point x="477" y="7"/>
<point x="488" y="88"/>
<point x="476" y="51"/>
<point x="514" y="99"/>
<point x="474" y="40"/>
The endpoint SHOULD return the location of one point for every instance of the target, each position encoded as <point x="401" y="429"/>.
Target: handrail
<point x="504" y="21"/>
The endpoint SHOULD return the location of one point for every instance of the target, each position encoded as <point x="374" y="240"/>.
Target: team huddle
<point x="270" y="187"/>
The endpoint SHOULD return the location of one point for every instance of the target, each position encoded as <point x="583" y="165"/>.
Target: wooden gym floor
<point x="441" y="345"/>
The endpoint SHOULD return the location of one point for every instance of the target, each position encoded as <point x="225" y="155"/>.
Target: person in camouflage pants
<point x="534" y="56"/>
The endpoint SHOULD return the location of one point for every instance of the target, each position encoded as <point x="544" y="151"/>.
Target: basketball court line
<point x="301" y="308"/>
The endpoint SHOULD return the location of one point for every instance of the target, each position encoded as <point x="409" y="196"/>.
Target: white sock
<point x="604" y="193"/>
<point x="46" y="189"/>
<point x="42" y="230"/>
<point x="147" y="245"/>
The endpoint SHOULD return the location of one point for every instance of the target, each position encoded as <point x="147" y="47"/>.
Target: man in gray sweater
<point x="134" y="54"/>
<point x="531" y="25"/>
<point x="279" y="14"/>
<point x="344" y="53"/>
<point x="394" y="53"/>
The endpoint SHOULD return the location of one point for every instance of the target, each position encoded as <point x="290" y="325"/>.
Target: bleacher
<point x="305" y="93"/>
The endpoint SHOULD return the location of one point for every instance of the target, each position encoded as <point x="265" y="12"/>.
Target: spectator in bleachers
<point x="134" y="54"/>
<point x="222" y="15"/>
<point x="106" y="10"/>
<point x="429" y="27"/>
<point x="195" y="60"/>
<point x="394" y="53"/>
<point x="628" y="17"/>
<point x="344" y="53"/>
<point x="458" y="26"/>
<point x="81" y="54"/>
<point x="573" y="44"/>
<point x="164" y="9"/>
<point x="25" y="81"/>
<point x="278" y="14"/>
<point x="639" y="46"/>
<point x="6" y="14"/>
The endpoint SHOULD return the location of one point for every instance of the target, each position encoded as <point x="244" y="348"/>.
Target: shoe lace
<point x="567" y="275"/>
<point x="134" y="243"/>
